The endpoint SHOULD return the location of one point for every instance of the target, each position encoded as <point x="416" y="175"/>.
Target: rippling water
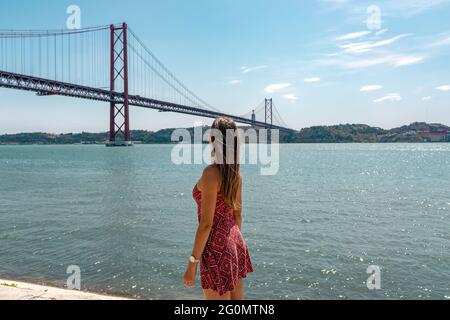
<point x="127" y="218"/>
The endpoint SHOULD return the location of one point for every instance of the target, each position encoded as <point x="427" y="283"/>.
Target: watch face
<point x="192" y="259"/>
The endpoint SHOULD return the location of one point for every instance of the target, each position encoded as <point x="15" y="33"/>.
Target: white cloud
<point x="312" y="79"/>
<point x="353" y="35"/>
<point x="276" y="86"/>
<point x="443" y="42"/>
<point x="251" y="69"/>
<point x="370" y="88"/>
<point x="391" y="8"/>
<point x="291" y="97"/>
<point x="444" y="88"/>
<point x="331" y="5"/>
<point x="406" y="61"/>
<point x="390" y="60"/>
<point x="361" y="47"/>
<point x="235" y="81"/>
<point x="426" y="98"/>
<point x="382" y="31"/>
<point x="376" y="53"/>
<point x="390" y="97"/>
<point x="409" y="8"/>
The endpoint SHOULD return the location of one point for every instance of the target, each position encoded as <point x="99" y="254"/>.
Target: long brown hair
<point x="229" y="170"/>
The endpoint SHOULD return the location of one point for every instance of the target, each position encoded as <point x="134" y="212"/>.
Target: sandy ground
<point x="15" y="290"/>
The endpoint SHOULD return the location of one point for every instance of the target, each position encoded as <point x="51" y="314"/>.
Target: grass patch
<point x="12" y="285"/>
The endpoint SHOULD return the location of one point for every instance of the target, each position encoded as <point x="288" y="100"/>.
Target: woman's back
<point x="223" y="214"/>
<point x="225" y="258"/>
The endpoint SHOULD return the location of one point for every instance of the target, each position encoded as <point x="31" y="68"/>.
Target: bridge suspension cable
<point x="256" y="109"/>
<point x="146" y="58"/>
<point x="260" y="113"/>
<point x="72" y="56"/>
<point x="105" y="63"/>
<point x="277" y="116"/>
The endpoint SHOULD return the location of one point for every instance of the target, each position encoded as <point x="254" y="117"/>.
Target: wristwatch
<point x="193" y="260"/>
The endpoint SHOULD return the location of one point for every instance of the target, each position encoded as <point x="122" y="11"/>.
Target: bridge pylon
<point x="50" y="66"/>
<point x="268" y="107"/>
<point x="119" y="120"/>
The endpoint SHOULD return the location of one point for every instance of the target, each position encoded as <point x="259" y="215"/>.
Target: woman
<point x="219" y="247"/>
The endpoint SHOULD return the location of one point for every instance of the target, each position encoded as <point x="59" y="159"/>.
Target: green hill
<point x="343" y="133"/>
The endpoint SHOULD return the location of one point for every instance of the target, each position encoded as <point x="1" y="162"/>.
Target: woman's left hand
<point x="190" y="275"/>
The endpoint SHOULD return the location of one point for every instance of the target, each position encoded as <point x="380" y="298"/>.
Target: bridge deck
<point x="51" y="87"/>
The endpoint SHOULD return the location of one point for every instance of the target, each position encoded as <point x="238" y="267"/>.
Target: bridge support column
<point x="268" y="107"/>
<point x="119" y="121"/>
<point x="268" y="112"/>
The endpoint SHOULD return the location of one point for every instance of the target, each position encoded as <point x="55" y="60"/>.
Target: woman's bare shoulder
<point x="211" y="171"/>
<point x="210" y="176"/>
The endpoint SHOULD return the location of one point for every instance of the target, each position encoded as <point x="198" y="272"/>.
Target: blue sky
<point x="323" y="61"/>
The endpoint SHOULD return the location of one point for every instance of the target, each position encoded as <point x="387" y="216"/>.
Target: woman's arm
<point x="208" y="185"/>
<point x="238" y="212"/>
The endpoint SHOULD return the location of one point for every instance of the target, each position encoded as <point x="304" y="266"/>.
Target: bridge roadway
<point x="45" y="87"/>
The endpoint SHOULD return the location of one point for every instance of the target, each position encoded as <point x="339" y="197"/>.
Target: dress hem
<point x="231" y="288"/>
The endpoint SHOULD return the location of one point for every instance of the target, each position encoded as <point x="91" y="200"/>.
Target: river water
<point x="126" y="217"/>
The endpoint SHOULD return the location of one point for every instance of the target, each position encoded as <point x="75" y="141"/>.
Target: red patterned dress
<point x="225" y="258"/>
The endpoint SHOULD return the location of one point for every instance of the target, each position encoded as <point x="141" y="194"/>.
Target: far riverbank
<point x="343" y="133"/>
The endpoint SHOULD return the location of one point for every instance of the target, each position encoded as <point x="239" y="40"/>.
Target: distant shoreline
<point x="343" y="133"/>
<point x="163" y="143"/>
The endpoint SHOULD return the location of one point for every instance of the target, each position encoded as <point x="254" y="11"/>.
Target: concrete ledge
<point x="119" y="144"/>
<point x="16" y="290"/>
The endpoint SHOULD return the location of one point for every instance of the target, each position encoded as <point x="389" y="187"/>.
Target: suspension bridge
<point x="109" y="64"/>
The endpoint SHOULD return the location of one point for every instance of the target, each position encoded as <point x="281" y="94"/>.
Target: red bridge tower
<point x="119" y="120"/>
